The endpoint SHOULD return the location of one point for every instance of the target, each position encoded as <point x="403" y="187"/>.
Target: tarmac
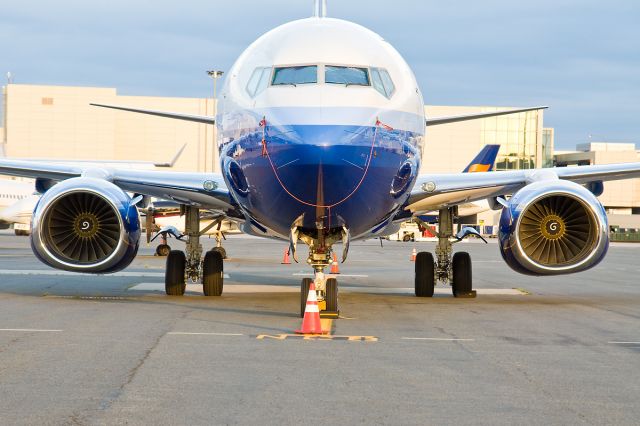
<point x="81" y="349"/>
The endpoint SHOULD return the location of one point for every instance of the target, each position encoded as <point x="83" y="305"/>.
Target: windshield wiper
<point x="286" y="84"/>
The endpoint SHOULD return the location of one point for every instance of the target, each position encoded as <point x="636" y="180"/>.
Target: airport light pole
<point x="215" y="75"/>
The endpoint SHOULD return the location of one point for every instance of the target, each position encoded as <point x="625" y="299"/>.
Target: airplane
<point x="11" y="193"/>
<point x="485" y="160"/>
<point x="321" y="129"/>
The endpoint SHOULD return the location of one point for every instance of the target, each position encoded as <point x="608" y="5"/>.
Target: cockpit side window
<point x="346" y="75"/>
<point x="382" y="82"/>
<point x="259" y="81"/>
<point x="283" y="76"/>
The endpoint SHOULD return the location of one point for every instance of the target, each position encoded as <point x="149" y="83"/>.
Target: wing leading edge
<point x="456" y="118"/>
<point x="175" y="115"/>
<point x="205" y="190"/>
<point x="435" y="191"/>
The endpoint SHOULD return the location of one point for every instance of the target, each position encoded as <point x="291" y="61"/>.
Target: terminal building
<point x="58" y="122"/>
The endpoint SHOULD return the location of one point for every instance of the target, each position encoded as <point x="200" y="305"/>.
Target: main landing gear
<point x="189" y="265"/>
<point x="450" y="268"/>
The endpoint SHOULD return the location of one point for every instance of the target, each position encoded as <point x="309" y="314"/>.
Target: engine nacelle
<point x="85" y="225"/>
<point x="553" y="227"/>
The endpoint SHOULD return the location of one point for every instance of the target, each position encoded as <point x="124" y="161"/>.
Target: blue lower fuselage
<point x="327" y="175"/>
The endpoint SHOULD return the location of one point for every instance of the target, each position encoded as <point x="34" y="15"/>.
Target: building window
<point x="47" y="101"/>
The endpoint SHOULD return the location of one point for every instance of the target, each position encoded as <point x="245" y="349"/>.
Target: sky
<point x="579" y="57"/>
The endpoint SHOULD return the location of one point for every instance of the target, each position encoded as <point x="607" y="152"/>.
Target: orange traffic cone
<point x="413" y="255"/>
<point x="334" y="265"/>
<point x="285" y="260"/>
<point x="311" y="321"/>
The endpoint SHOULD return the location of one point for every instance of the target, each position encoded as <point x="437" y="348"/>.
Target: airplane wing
<point x="456" y="118"/>
<point x="186" y="117"/>
<point x="436" y="191"/>
<point x="112" y="163"/>
<point x="204" y="190"/>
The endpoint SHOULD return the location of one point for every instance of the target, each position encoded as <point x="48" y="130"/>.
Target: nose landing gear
<point x="327" y="293"/>
<point x="326" y="286"/>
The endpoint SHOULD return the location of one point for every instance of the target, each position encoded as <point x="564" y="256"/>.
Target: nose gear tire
<point x="332" y="295"/>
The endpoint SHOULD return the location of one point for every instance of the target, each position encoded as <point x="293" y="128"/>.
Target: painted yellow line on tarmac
<point x="327" y="325"/>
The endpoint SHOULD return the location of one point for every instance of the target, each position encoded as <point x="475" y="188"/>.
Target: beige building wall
<point x="58" y="122"/>
<point x="450" y="147"/>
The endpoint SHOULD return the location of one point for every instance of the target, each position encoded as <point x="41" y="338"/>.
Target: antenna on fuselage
<point x="320" y="8"/>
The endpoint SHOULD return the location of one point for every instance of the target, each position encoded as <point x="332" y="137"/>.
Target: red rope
<point x="263" y="124"/>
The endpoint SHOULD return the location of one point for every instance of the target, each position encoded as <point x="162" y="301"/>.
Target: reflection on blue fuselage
<point x="336" y="175"/>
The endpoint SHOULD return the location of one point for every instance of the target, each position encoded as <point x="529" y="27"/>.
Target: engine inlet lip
<point x="44" y="233"/>
<point x="592" y="253"/>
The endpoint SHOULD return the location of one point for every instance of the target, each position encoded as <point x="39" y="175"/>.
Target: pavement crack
<point x="106" y="403"/>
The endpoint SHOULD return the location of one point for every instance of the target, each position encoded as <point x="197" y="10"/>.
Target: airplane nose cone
<point x="325" y="170"/>
<point x="347" y="175"/>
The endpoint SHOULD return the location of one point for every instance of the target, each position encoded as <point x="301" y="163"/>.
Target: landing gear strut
<point x="449" y="268"/>
<point x="190" y="265"/>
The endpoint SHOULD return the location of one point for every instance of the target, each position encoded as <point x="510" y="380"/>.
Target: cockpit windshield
<point x="382" y="82"/>
<point x="295" y="75"/>
<point x="346" y="75"/>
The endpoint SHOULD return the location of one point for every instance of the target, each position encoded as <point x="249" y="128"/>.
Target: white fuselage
<point x="318" y="150"/>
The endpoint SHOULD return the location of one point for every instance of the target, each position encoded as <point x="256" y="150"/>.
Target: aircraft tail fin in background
<point x="484" y="161"/>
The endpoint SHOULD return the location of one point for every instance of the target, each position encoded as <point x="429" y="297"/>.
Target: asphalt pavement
<point x="80" y="349"/>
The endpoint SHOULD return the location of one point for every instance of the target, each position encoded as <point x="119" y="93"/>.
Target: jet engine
<point x="85" y="225"/>
<point x="553" y="227"/>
